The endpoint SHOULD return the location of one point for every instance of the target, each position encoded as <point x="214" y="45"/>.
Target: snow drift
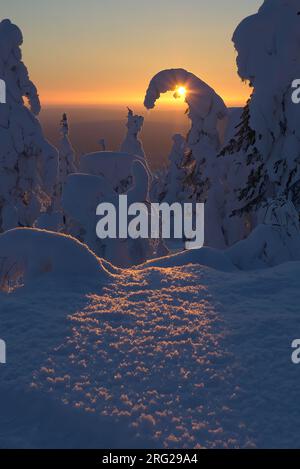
<point x="84" y="192"/>
<point x="27" y="255"/>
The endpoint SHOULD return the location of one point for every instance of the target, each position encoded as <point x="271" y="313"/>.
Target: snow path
<point x="178" y="357"/>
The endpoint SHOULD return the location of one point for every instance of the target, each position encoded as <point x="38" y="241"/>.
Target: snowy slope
<point x="161" y="357"/>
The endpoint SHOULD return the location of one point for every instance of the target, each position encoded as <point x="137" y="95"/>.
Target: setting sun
<point x="181" y="91"/>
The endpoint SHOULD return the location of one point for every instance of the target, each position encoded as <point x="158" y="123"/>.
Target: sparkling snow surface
<point x="162" y="357"/>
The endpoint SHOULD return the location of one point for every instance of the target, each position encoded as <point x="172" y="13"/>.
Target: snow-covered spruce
<point x="159" y="184"/>
<point x="28" y="255"/>
<point x="67" y="164"/>
<point x="132" y="144"/>
<point x="203" y="172"/>
<point x="28" y="163"/>
<point x="265" y="152"/>
<point x="104" y="176"/>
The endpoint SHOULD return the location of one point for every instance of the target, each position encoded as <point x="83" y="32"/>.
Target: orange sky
<point x="106" y="51"/>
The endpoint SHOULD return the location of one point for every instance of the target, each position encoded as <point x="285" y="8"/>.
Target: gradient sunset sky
<point x="105" y="51"/>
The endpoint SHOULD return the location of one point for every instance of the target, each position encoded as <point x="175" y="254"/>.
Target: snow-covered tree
<point x="265" y="153"/>
<point x="132" y="144"/>
<point x="140" y="250"/>
<point x="53" y="219"/>
<point x="158" y="184"/>
<point x="272" y="242"/>
<point x="67" y="163"/>
<point x="28" y="163"/>
<point x="204" y="171"/>
<point x="28" y="255"/>
<point x="84" y="192"/>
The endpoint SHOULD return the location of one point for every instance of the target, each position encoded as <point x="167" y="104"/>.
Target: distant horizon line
<point x="122" y="103"/>
<point x="165" y="102"/>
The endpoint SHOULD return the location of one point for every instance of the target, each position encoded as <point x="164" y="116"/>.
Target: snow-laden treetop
<point x="12" y="69"/>
<point x="201" y="98"/>
<point x="268" y="41"/>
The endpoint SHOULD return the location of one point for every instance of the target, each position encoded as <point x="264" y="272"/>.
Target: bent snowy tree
<point x="28" y="163"/>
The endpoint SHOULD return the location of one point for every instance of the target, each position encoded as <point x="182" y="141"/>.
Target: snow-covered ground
<point x="157" y="357"/>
